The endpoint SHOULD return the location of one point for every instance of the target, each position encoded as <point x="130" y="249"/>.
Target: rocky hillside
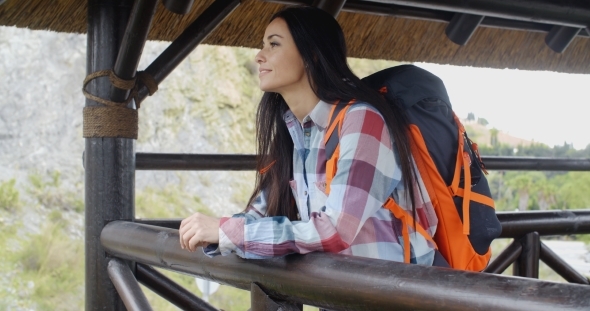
<point x="206" y="106"/>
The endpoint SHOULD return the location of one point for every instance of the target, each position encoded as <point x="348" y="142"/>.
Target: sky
<point x="543" y="106"/>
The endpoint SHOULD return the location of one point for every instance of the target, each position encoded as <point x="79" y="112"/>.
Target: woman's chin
<point x="266" y="88"/>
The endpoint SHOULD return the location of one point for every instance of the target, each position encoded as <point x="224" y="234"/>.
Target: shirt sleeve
<point x="253" y="212"/>
<point x="364" y="179"/>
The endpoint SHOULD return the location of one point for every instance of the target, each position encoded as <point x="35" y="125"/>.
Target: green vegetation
<point x="545" y="273"/>
<point x="225" y="298"/>
<point x="49" y="192"/>
<point x="536" y="190"/>
<point x="52" y="262"/>
<point x="42" y="268"/>
<point x="167" y="202"/>
<point x="243" y="191"/>
<point x="532" y="190"/>
<point x="9" y="195"/>
<point x="221" y="93"/>
<point x="172" y="202"/>
<point x="532" y="150"/>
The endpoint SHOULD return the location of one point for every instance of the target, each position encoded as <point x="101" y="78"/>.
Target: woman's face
<point x="281" y="68"/>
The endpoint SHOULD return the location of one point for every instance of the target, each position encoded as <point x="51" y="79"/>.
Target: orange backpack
<point x="446" y="159"/>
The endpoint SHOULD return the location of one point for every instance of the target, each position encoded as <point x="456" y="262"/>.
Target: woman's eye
<point x="273" y="44"/>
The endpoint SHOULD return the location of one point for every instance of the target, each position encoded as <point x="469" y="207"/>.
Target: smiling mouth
<point x="262" y="72"/>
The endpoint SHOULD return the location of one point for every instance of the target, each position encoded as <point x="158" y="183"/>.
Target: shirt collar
<point x="319" y="115"/>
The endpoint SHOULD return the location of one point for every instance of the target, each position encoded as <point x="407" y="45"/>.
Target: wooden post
<point x="108" y="162"/>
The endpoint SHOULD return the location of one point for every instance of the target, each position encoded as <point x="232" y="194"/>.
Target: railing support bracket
<point x="261" y="301"/>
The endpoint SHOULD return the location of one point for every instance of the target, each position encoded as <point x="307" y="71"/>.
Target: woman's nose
<point x="259" y="57"/>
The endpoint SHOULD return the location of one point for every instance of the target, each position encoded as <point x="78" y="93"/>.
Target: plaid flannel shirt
<point x="351" y="219"/>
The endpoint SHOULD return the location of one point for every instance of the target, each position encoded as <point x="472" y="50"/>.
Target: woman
<point x="303" y="72"/>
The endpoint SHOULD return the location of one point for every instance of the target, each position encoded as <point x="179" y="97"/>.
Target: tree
<point x="573" y="190"/>
<point x="522" y="185"/>
<point x="545" y="193"/>
<point x="482" y="121"/>
<point x="498" y="150"/>
<point x="494" y="137"/>
<point x="471" y="116"/>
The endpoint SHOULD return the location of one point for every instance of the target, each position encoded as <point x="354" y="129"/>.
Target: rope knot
<point x="115" y="119"/>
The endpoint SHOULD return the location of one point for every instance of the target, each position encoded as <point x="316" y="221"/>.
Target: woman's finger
<point x="198" y="230"/>
<point x="195" y="242"/>
<point x="185" y="225"/>
<point x="185" y="221"/>
<point x="187" y="236"/>
<point x="181" y="231"/>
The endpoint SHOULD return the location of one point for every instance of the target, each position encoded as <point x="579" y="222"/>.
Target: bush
<point x="167" y="202"/>
<point x="50" y="193"/>
<point x="50" y="269"/>
<point x="9" y="195"/>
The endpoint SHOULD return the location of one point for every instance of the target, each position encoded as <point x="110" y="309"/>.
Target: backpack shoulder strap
<point x="332" y="139"/>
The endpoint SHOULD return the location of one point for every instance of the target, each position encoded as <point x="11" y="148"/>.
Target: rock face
<point x="206" y="105"/>
<point x="40" y="119"/>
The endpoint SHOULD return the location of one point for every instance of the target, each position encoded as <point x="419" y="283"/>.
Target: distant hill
<point x="482" y="135"/>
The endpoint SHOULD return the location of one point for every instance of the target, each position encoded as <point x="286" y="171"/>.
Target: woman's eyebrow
<point x="269" y="37"/>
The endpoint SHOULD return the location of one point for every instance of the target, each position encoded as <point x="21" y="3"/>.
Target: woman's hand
<point x="198" y="230"/>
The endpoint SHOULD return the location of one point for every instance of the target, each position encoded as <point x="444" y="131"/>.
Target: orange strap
<point x="463" y="162"/>
<point x="333" y="125"/>
<point x="266" y="168"/>
<point x="466" y="191"/>
<point x="331" y="167"/>
<point x="337" y="122"/>
<point x="424" y="163"/>
<point x="478" y="198"/>
<point x="459" y="162"/>
<point x="332" y="163"/>
<point x="407" y="221"/>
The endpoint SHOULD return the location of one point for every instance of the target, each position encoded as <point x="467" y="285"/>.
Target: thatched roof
<point x="369" y="36"/>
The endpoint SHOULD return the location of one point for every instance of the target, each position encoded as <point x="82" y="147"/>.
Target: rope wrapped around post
<point x="115" y="119"/>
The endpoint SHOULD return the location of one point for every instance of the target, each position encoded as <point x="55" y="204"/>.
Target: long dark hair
<point x="321" y="44"/>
